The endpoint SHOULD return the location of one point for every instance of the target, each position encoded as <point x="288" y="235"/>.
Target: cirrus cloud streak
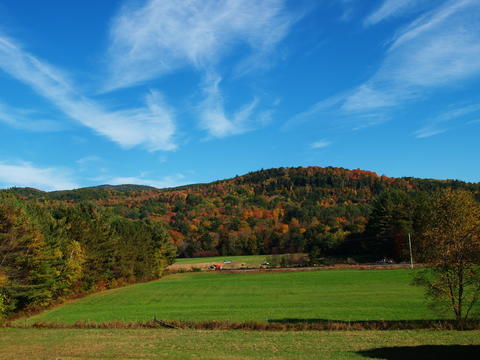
<point x="161" y="36"/>
<point x="437" y="51"/>
<point x="151" y="126"/>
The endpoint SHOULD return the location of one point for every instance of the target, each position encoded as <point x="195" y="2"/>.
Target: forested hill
<point x="269" y="211"/>
<point x="54" y="245"/>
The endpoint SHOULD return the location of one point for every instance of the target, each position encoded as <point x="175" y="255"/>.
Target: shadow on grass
<point x="424" y="352"/>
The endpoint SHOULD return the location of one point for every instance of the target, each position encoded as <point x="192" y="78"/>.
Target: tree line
<point x="329" y="211"/>
<point x="49" y="252"/>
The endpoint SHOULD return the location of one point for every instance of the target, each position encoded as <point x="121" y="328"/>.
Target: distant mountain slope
<point x="267" y="211"/>
<point x="81" y="194"/>
<point x="124" y="187"/>
<point x="28" y="192"/>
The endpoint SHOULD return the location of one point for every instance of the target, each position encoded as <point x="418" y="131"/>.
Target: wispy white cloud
<point x="393" y="8"/>
<point x="213" y="115"/>
<point x="459" y="112"/>
<point x="22" y="119"/>
<point x="26" y="174"/>
<point x="367" y="97"/>
<point x="430" y="20"/>
<point x="89" y="159"/>
<point x="163" y="182"/>
<point x="161" y="36"/>
<point x="320" y="144"/>
<point x="340" y="112"/>
<point x="437" y="125"/>
<point x="348" y="9"/>
<point x="157" y="37"/>
<point x="440" y="49"/>
<point x="428" y="131"/>
<point x="151" y="126"/>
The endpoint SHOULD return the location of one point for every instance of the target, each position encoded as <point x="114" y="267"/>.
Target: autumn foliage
<point x="78" y="241"/>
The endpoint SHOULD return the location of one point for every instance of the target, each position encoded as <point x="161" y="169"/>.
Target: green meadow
<point x="27" y="344"/>
<point x="324" y="294"/>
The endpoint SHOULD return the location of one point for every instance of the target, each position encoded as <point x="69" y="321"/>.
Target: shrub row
<point x="283" y="325"/>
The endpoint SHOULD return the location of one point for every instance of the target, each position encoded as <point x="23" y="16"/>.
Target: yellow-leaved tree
<point x="450" y="247"/>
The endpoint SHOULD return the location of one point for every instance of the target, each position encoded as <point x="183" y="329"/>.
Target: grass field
<point x="23" y="344"/>
<point x="247" y="259"/>
<point x="329" y="294"/>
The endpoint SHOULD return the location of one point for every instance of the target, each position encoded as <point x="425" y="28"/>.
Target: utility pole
<point x="410" y="247"/>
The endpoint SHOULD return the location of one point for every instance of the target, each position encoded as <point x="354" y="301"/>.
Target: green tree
<point x="3" y="298"/>
<point x="24" y="259"/>
<point x="87" y="225"/>
<point x="165" y="251"/>
<point x="450" y="245"/>
<point x="389" y="225"/>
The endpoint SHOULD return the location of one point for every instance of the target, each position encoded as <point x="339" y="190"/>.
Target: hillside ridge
<point x="239" y="179"/>
<point x="278" y="210"/>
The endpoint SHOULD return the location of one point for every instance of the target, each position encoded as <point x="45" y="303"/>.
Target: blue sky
<point x="168" y="92"/>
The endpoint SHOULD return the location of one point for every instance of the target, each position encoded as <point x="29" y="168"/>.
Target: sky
<point x="169" y="92"/>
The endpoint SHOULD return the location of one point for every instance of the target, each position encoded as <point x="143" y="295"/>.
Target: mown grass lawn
<point x="325" y="294"/>
<point x="23" y="344"/>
